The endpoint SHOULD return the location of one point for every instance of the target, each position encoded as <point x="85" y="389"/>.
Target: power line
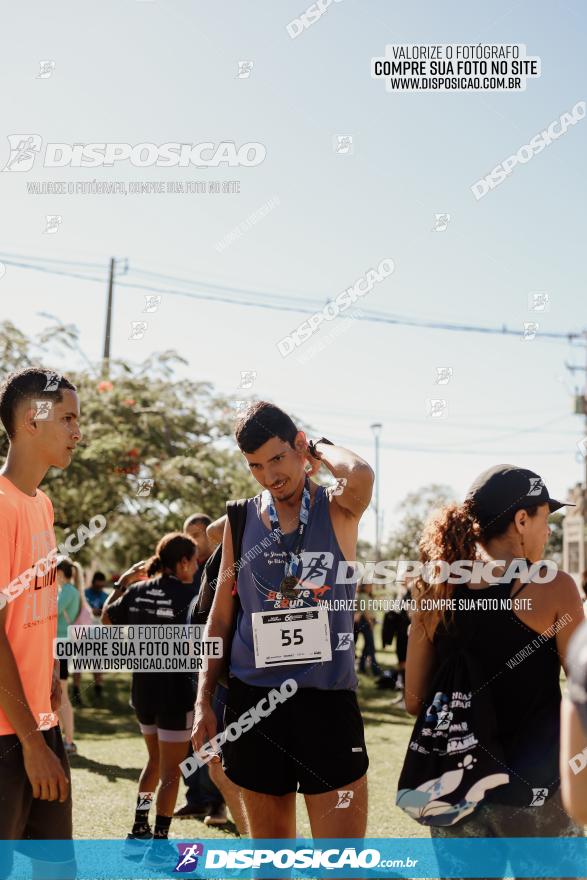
<point x="234" y="296"/>
<point x="51" y="271"/>
<point x="213" y="285"/>
<point x="300" y="306"/>
<point x="68" y="262"/>
<point x="391" y="414"/>
<point x="443" y="450"/>
<point x="371" y="317"/>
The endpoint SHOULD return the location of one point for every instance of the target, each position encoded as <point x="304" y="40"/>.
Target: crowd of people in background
<point x="443" y="661"/>
<point x="181" y="558"/>
<point x="109" y="600"/>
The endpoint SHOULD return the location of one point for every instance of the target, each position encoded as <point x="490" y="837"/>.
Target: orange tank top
<point x="26" y="537"/>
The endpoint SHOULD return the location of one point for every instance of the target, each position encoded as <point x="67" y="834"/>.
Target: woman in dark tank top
<point x="516" y="631"/>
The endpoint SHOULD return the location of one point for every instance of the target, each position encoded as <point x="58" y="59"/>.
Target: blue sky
<point x="155" y="72"/>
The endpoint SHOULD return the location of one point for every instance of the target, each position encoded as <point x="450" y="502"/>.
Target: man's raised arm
<point x="354" y="476"/>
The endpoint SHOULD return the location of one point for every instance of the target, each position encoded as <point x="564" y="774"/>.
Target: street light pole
<point x="376" y="428"/>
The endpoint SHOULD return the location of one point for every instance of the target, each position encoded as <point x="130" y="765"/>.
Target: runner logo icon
<point x="345" y="640"/>
<point x="46" y="720"/>
<point x="316" y="566"/>
<point x="344" y="800"/>
<point x="536" y="486"/>
<point x="23" y="149"/>
<point x="188" y="857"/>
<point x="145" y="800"/>
<point x="539" y="796"/>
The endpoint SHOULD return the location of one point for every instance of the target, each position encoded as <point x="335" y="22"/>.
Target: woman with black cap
<point x="517" y="646"/>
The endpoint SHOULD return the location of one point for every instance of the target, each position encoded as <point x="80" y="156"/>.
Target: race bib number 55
<point x="287" y="637"/>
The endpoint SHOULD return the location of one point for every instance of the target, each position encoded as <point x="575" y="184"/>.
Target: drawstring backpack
<point x="454" y="757"/>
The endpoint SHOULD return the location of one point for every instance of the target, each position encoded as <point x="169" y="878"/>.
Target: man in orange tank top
<point x="40" y="412"/>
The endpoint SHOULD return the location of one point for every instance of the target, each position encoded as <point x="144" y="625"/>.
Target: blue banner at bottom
<point x="375" y="857"/>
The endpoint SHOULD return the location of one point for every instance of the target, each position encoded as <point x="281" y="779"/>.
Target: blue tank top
<point x="324" y="576"/>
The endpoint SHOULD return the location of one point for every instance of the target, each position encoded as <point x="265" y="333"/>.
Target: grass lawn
<point x="112" y="753"/>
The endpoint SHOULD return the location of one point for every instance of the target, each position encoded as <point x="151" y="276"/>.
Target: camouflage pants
<point x="502" y="820"/>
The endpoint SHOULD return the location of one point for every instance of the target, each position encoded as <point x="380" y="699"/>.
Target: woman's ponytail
<point x="154" y="565"/>
<point x="450" y="534"/>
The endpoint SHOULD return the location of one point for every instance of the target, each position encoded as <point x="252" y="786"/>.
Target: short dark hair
<point x="259" y="423"/>
<point x="197" y="519"/>
<point x="33" y="382"/>
<point x="98" y="576"/>
<point x="66" y="566"/>
<point x="171" y="549"/>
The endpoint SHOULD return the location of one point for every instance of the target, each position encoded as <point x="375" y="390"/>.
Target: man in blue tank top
<point x="285" y="613"/>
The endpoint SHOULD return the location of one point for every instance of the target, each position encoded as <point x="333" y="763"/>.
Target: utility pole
<point x="108" y="330"/>
<point x="376" y="428"/>
<point x="581" y="408"/>
<point x="106" y="360"/>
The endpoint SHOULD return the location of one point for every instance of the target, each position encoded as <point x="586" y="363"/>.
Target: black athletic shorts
<point x="23" y="817"/>
<point x="169" y="726"/>
<point x="401" y="642"/>
<point x="313" y="742"/>
<point x="63" y="673"/>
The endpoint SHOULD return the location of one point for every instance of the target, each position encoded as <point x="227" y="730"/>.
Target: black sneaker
<point x="217" y="816"/>
<point x="136" y="845"/>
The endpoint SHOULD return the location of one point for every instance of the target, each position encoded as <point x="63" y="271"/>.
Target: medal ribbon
<point x="293" y="563"/>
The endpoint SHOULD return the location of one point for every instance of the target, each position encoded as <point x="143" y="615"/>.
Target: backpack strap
<point x="237" y="517"/>
<point x="517" y="592"/>
<point x="205" y="595"/>
<point x="523" y="585"/>
<point x="192" y="608"/>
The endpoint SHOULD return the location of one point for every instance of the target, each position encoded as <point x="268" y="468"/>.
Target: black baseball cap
<point x="502" y="490"/>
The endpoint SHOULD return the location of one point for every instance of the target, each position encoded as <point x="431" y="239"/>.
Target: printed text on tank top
<point x="520" y="675"/>
<point x="263" y="653"/>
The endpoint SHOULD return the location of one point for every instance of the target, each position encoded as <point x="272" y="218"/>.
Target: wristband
<point x="312" y="447"/>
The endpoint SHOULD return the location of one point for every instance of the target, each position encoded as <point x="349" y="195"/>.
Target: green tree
<point x="141" y="424"/>
<point x="415" y="509"/>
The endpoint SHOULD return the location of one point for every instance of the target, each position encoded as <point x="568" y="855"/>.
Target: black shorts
<point x="313" y="742"/>
<point x="168" y="726"/>
<point x="63" y="673"/>
<point x="401" y="642"/>
<point x="23" y="817"/>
